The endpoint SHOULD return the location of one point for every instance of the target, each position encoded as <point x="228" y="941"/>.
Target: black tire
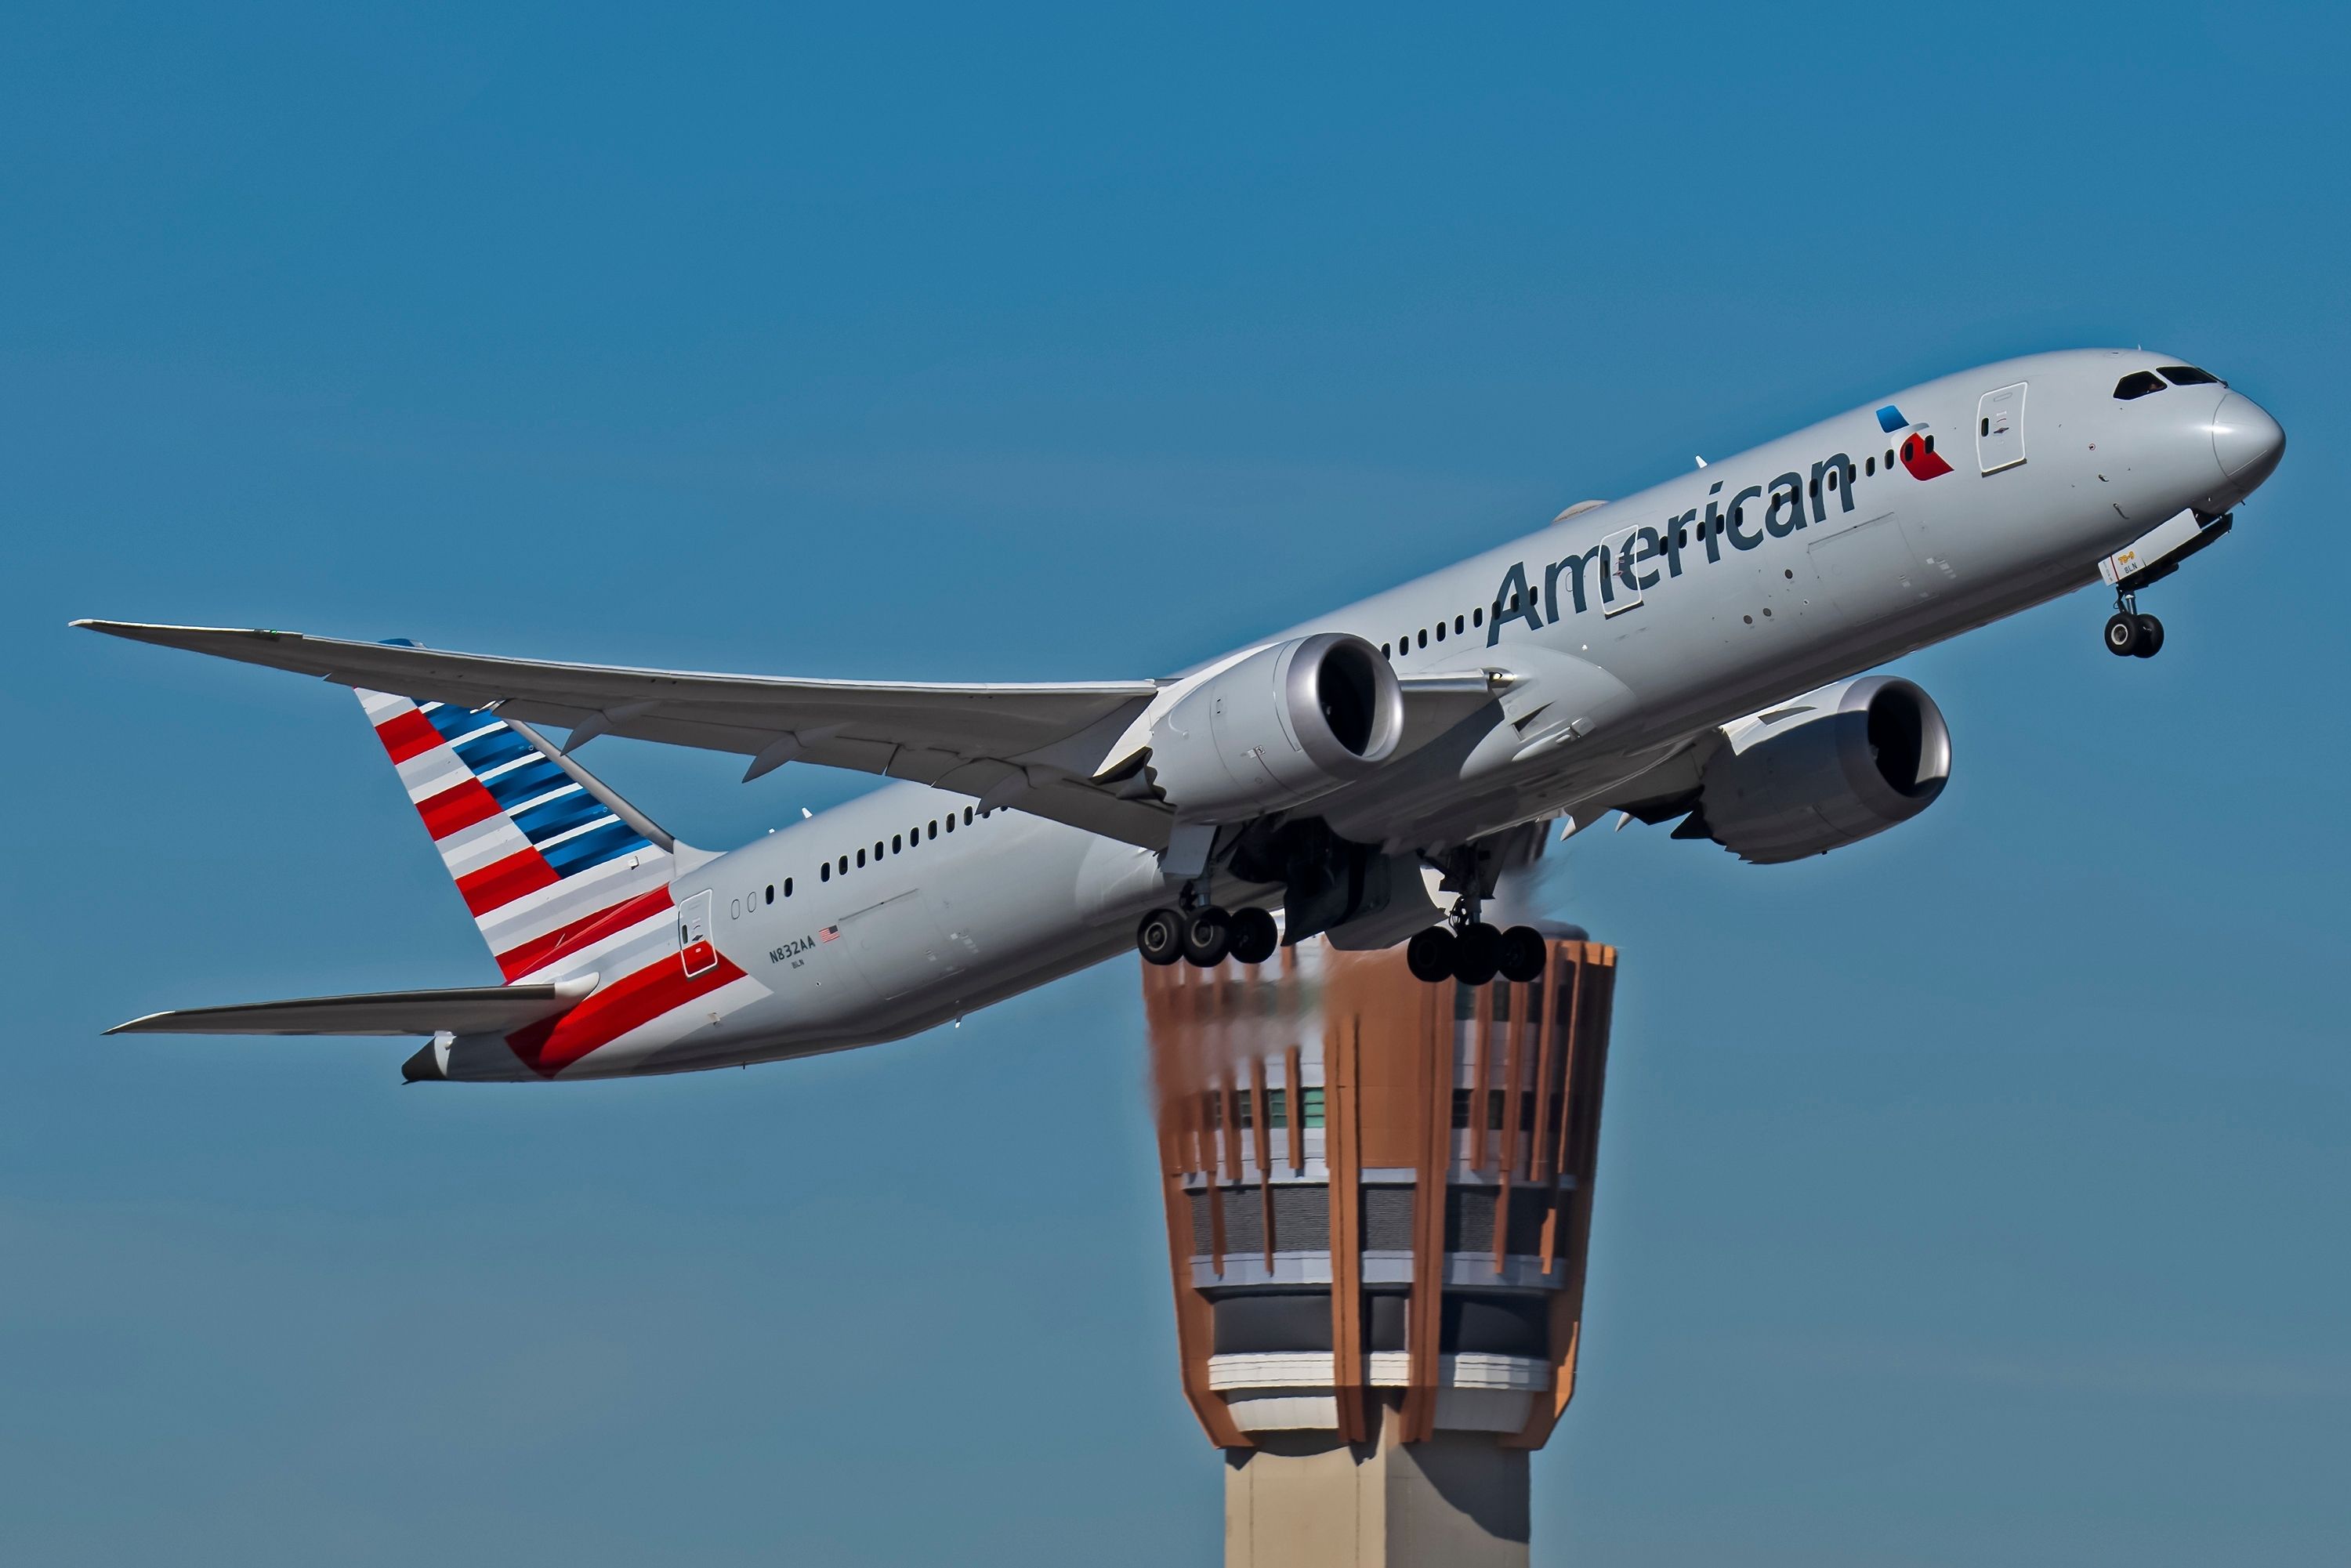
<point x="2150" y="637"/>
<point x="1524" y="954"/>
<point x="1160" y="938"/>
<point x="1207" y="933"/>
<point x="1429" y="955"/>
<point x="1255" y="936"/>
<point x="1477" y="956"/>
<point x="2122" y="636"/>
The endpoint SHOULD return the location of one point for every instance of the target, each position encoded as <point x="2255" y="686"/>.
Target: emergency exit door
<point x="2000" y="429"/>
<point x="694" y="948"/>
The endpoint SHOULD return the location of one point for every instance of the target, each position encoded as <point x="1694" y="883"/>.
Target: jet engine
<point x="1282" y="726"/>
<point x="1828" y="769"/>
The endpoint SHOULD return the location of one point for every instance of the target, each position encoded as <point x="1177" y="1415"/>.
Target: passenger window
<point x="966" y="816"/>
<point x="824" y="872"/>
<point x="1384" y="651"/>
<point x="2189" y="376"/>
<point x="897" y="843"/>
<point x="844" y="865"/>
<point x="787" y="887"/>
<point x="1476" y="617"/>
<point x="1440" y="630"/>
<point x="877" y="848"/>
<point x="771" y="892"/>
<point x="2139" y="383"/>
<point x="934" y="827"/>
<point x="1457" y="626"/>
<point x="1424" y="636"/>
<point x="1869" y="466"/>
<point x="860" y="857"/>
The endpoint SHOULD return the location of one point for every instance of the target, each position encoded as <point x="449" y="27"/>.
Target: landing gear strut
<point x="2130" y="635"/>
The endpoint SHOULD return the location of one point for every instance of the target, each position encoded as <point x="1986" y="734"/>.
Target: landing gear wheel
<point x="1160" y="938"/>
<point x="1429" y="954"/>
<point x="1207" y="935"/>
<point x="1254" y="935"/>
<point x="2123" y="634"/>
<point x="1524" y="954"/>
<point x="1477" y="954"/>
<point x="2150" y="637"/>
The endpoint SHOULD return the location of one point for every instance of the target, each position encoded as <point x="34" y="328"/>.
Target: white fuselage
<point x="1693" y="628"/>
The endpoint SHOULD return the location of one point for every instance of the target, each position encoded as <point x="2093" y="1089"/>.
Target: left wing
<point x="1039" y="747"/>
<point x="1035" y="745"/>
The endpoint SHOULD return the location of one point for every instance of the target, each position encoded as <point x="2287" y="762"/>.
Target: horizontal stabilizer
<point x="466" y="1009"/>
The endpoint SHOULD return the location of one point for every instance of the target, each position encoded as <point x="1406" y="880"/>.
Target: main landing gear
<point x="1206" y="935"/>
<point x="1469" y="950"/>
<point x="2130" y="635"/>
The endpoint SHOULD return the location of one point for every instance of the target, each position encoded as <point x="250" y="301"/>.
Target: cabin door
<point x="2000" y="429"/>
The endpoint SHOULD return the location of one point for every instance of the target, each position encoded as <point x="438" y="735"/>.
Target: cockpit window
<point x="2188" y="376"/>
<point x="2139" y="383"/>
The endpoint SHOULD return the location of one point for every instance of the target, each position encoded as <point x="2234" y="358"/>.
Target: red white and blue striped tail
<point x="558" y="881"/>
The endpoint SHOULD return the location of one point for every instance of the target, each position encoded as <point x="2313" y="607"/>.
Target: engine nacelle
<point x="1828" y="769"/>
<point x="1280" y="727"/>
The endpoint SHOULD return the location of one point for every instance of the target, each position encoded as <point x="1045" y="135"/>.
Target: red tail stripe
<point x="406" y="733"/>
<point x="522" y="960"/>
<point x="459" y="806"/>
<point x="501" y="882"/>
<point x="548" y="1047"/>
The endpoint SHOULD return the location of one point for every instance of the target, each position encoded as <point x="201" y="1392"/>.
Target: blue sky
<point x="1972" y="1194"/>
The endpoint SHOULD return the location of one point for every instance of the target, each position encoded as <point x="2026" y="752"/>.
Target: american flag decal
<point x="829" y="932"/>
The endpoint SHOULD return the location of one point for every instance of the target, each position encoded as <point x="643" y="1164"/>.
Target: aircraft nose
<point x="2246" y="440"/>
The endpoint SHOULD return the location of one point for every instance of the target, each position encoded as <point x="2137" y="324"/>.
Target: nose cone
<point x="2246" y="440"/>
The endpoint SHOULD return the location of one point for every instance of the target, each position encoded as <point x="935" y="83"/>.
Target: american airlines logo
<point x="1617" y="572"/>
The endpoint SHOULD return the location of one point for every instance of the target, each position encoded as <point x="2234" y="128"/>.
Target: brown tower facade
<point x="1379" y="1199"/>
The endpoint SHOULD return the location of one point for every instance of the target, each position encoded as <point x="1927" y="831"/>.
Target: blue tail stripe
<point x="453" y="721"/>
<point x="542" y="823"/>
<point x="500" y="746"/>
<point x="534" y="777"/>
<point x="594" y="847"/>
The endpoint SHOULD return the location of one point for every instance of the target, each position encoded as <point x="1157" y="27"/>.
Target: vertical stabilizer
<point x="561" y="875"/>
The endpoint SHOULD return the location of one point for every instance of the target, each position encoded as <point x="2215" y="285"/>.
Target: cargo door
<point x="899" y="945"/>
<point x="1870" y="571"/>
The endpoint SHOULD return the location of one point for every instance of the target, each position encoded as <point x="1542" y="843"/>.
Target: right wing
<point x="468" y="1010"/>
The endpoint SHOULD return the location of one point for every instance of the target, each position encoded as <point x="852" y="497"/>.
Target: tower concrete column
<point x="1379" y="1202"/>
<point x="1304" y="1500"/>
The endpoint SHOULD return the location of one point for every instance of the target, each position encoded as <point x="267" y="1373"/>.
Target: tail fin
<point x="560" y="872"/>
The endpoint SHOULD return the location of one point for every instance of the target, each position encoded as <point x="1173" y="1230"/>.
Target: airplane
<point x="1696" y="653"/>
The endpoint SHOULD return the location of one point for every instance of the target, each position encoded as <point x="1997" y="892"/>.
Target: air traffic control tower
<point x="1379" y="1198"/>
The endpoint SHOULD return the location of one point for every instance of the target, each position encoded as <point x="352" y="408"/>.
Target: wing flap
<point x="466" y="1009"/>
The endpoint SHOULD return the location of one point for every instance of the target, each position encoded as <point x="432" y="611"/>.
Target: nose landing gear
<point x="2129" y="633"/>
